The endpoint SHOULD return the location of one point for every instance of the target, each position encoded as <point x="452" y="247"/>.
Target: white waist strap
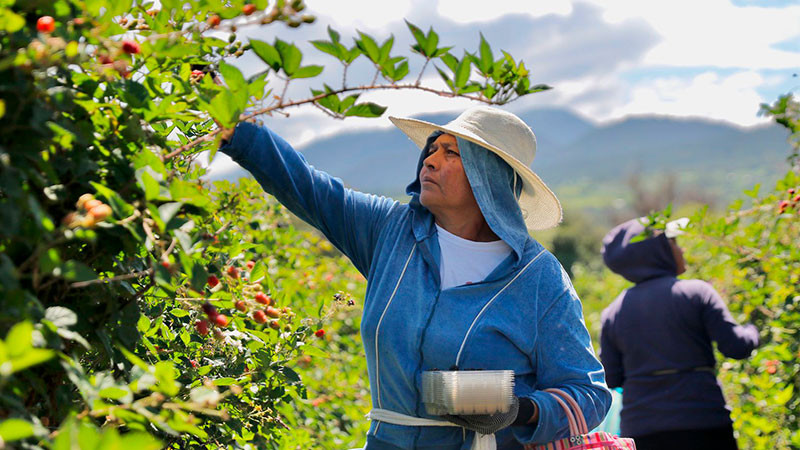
<point x="481" y="442"/>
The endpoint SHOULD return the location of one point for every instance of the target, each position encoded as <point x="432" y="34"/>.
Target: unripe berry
<point x="213" y="21"/>
<point x="263" y="299"/>
<point x="241" y="306"/>
<point x="221" y="320"/>
<point x="46" y="24"/>
<point x="100" y="212"/>
<point x="259" y="316"/>
<point x="130" y="47"/>
<point x="218" y="334"/>
<point x="202" y="327"/>
<point x="83" y="199"/>
<point x="89" y="204"/>
<point x="275" y="325"/>
<point x="250" y="265"/>
<point x="272" y="312"/>
<point x="233" y="272"/>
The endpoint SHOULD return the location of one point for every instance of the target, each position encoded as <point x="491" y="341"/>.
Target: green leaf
<point x="367" y="45"/>
<point x="32" y="357"/>
<point x="386" y="49"/>
<point x="178" y="312"/>
<point x="60" y="316"/>
<point x="433" y="41"/>
<point x="267" y="53"/>
<point x="462" y="72"/>
<point x="19" y="339"/>
<point x="290" y="55"/>
<point x="333" y="34"/>
<point x="227" y="381"/>
<point x="365" y="110"/>
<point x="114" y="393"/>
<point x="10" y="22"/>
<point x="143" y="324"/>
<point x="307" y="72"/>
<point x="450" y="60"/>
<point x="75" y="271"/>
<point x="15" y="429"/>
<point x="233" y="76"/>
<point x="419" y="36"/>
<point x="223" y="107"/>
<point x="329" y="47"/>
<point x="486" y="60"/>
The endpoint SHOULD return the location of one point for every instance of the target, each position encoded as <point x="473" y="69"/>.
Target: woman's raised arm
<point x="351" y="220"/>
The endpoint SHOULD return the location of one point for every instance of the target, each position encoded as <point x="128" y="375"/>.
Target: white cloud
<point x="712" y="32"/>
<point x="366" y="14"/>
<point x="467" y="11"/>
<point x="732" y="98"/>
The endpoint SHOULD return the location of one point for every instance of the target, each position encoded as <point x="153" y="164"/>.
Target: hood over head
<point x="638" y="261"/>
<point x="496" y="188"/>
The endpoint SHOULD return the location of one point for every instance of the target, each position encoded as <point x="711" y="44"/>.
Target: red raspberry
<point x="319" y="333"/>
<point x="130" y="47"/>
<point x="221" y="320"/>
<point x="212" y="281"/>
<point x="259" y="316"/>
<point x="46" y="24"/>
<point x="202" y="327"/>
<point x="263" y="299"/>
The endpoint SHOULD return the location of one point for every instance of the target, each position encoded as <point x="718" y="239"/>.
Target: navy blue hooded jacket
<point x="664" y="324"/>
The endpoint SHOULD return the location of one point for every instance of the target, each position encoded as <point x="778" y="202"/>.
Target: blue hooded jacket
<point x="525" y="316"/>
<point x="656" y="339"/>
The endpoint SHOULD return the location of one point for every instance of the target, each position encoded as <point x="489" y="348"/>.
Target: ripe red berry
<point x="259" y="316"/>
<point x="796" y="198"/>
<point x="790" y="191"/>
<point x="130" y="47"/>
<point x="272" y="312"/>
<point x="263" y="299"/>
<point x="250" y="265"/>
<point x="241" y="306"/>
<point x="202" y="327"/>
<point x="212" y="281"/>
<point x="213" y="21"/>
<point x="166" y="264"/>
<point x="274" y="324"/>
<point x="46" y="24"/>
<point x="193" y="363"/>
<point x="221" y="320"/>
<point x="248" y="9"/>
<point x="198" y="74"/>
<point x="233" y="272"/>
<point x="319" y="333"/>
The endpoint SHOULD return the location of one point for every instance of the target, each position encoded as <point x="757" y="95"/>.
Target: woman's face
<point x="444" y="184"/>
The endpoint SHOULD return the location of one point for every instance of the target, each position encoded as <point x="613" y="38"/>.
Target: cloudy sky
<point x="606" y="59"/>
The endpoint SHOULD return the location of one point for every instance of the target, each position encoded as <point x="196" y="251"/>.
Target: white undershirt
<point x="466" y="262"/>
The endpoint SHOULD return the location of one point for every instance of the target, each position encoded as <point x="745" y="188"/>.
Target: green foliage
<point x="129" y="283"/>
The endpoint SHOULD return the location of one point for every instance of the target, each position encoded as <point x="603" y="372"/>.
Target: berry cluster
<point x="90" y="212"/>
<point x="792" y="202"/>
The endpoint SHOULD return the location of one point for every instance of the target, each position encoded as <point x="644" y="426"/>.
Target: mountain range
<point x="588" y="165"/>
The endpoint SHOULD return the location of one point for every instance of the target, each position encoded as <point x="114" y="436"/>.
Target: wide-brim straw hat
<point x="511" y="139"/>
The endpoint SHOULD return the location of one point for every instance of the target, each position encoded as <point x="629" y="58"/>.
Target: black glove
<point x="487" y="423"/>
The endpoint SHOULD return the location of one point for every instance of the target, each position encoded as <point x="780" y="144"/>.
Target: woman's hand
<point x="487" y="423"/>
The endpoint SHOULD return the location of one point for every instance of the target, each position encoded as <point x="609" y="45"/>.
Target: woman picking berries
<point x="454" y="280"/>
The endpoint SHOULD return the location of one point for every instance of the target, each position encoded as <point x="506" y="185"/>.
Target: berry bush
<point x="145" y="307"/>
